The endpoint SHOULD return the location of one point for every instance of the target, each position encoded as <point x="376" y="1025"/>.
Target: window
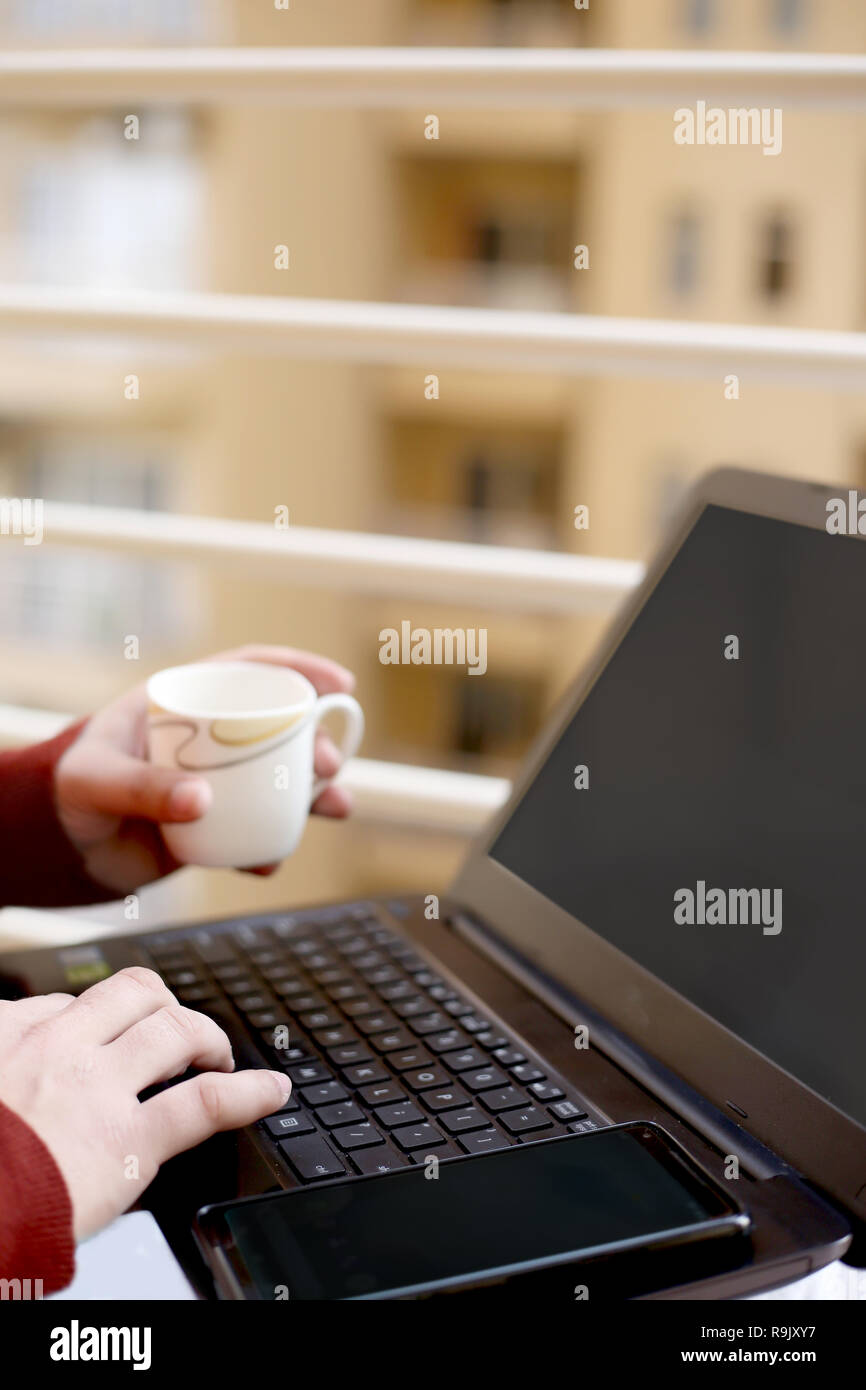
<point x="76" y="595"/>
<point x="497" y="232"/>
<point x="699" y="16"/>
<point x="495" y="717"/>
<point x="787" y="16"/>
<point x="163" y="21"/>
<point x="684" y="267"/>
<point x="477" y="482"/>
<point x="92" y="209"/>
<point x="776" y="268"/>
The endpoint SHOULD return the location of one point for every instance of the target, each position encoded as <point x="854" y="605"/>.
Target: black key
<point x="334" y="975"/>
<point x="232" y="970"/>
<point x="196" y="993"/>
<point x="311" y="1158"/>
<point x="443" y="992"/>
<point x="330" y="1038"/>
<point x="582" y="1126"/>
<point x="483" y="1141"/>
<point x="287" y="1056"/>
<point x="180" y="979"/>
<point x="529" y="1117"/>
<point x="268" y="1019"/>
<point x="445" y="1098"/>
<point x="355" y="946"/>
<point x="277" y="974"/>
<point x="282" y="1125"/>
<point x="444" y="1042"/>
<point x="340" y="993"/>
<point x="214" y="950"/>
<point x="492" y="1041"/>
<point x="327" y="1093"/>
<point x="244" y="984"/>
<point x="545" y="1090"/>
<point x="360" y="1136"/>
<point x="349" y="1055"/>
<point x="401" y="989"/>
<point x="429" y="1023"/>
<point x="382" y="1159"/>
<point x="566" y="1110"/>
<point x="473" y="1024"/>
<point x="403" y="1113"/>
<point x="364" y="1074"/>
<point x="305" y="1073"/>
<point x="254" y="1003"/>
<point x="368" y="960"/>
<point x="383" y="975"/>
<point x="310" y="999"/>
<point x="458" y="1121"/>
<point x="290" y="988"/>
<point x="528" y="1072"/>
<point x="265" y="958"/>
<point x="357" y="1008"/>
<point x="410" y="1059"/>
<point x="384" y="1093"/>
<point x="320" y="1018"/>
<point x="422" y="1136"/>
<point x="320" y="960"/>
<point x="456" y="1007"/>
<point x="440" y="1153"/>
<point x="413" y="1007"/>
<point x="485" y="1079"/>
<point x="382" y="1022"/>
<point x="506" y="1098"/>
<point x="251" y="938"/>
<point x="467" y="1059"/>
<point x="346" y="1113"/>
<point x="508" y="1056"/>
<point x="392" y="1041"/>
<point x="426" y="1077"/>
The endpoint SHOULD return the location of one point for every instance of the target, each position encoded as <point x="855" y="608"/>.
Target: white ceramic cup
<point x="249" y="729"/>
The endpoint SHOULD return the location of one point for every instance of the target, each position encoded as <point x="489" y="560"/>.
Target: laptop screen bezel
<point x="781" y="1112"/>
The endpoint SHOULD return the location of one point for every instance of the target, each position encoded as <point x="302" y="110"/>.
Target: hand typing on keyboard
<point x="73" y="1069"/>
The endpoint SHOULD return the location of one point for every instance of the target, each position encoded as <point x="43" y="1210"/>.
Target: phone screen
<point x="522" y="1207"/>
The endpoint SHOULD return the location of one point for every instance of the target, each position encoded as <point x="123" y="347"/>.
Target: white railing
<point x="420" y="335"/>
<point x="582" y="79"/>
<point x="431" y="337"/>
<point x="357" y="562"/>
<point x="412" y="798"/>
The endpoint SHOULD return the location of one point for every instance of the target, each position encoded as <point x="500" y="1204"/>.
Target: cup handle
<point x="354" y="731"/>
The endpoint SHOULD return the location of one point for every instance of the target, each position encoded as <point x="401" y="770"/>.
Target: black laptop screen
<point x="718" y="834"/>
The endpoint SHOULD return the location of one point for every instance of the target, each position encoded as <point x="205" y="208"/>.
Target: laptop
<point x="664" y="924"/>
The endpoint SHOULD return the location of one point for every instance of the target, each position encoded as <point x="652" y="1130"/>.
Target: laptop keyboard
<point x="390" y="1063"/>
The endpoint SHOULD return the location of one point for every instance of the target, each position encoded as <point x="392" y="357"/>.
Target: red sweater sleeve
<point x="39" y="867"/>
<point x="36" y="1234"/>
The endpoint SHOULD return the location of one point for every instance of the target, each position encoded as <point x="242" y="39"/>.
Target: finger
<point x="116" y="784"/>
<point x="165" y="1043"/>
<point x="105" y="1011"/>
<point x="327" y="758"/>
<point x="30" y="1011"/>
<point x="333" y="801"/>
<point x="191" y="1112"/>
<point x="326" y="675"/>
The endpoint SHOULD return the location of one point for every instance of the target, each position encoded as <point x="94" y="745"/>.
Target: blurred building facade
<point x="368" y="208"/>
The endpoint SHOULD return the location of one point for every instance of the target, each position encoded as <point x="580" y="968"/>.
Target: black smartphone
<point x="467" y="1222"/>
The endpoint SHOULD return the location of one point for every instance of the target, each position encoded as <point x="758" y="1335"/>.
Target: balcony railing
<point x="358" y="78"/>
<point x="376" y="78"/>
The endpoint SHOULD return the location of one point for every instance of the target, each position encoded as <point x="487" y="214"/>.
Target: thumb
<point x="120" y="785"/>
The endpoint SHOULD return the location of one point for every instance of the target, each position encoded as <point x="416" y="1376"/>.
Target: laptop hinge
<point x="687" y="1103"/>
